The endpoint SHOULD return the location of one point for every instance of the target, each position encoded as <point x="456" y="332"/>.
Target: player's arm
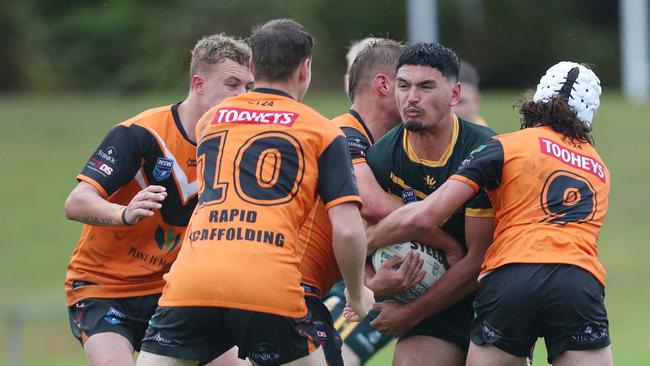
<point x="340" y="194"/>
<point x="349" y="244"/>
<point x="377" y="203"/>
<point x="112" y="165"/>
<point x="85" y="204"/>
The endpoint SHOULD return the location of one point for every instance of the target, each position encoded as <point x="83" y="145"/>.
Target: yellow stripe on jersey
<point x="400" y="182"/>
<point x="431" y="163"/>
<point x="479" y="212"/>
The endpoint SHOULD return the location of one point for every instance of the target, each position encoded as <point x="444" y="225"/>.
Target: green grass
<point x="45" y="141"/>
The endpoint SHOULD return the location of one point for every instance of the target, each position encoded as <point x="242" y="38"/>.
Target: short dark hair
<point x="468" y="74"/>
<point x="278" y="47"/>
<point x="555" y="113"/>
<point x="433" y="55"/>
<point x="377" y="56"/>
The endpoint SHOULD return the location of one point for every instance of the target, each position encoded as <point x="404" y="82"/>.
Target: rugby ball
<point x="435" y="265"/>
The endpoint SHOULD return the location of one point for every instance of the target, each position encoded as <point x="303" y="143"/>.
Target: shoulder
<point x="150" y="117"/>
<point x="474" y="130"/>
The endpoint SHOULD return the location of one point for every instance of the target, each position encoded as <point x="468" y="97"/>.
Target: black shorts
<point x="362" y="339"/>
<point x="204" y="333"/>
<point x="518" y="303"/>
<point x="127" y="316"/>
<point x="323" y="325"/>
<point x="451" y="325"/>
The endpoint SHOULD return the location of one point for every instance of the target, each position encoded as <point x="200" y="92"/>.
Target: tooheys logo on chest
<point x="250" y="116"/>
<point x="572" y="158"/>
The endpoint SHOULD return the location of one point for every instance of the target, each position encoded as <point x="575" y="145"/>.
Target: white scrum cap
<point x="577" y="83"/>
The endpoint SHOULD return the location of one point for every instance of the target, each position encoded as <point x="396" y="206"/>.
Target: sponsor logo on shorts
<point x="591" y="334"/>
<point x="264" y="352"/>
<point x="251" y="116"/>
<point x="163" y="169"/>
<point x="164" y="340"/>
<point x="490" y="334"/>
<point x="114" y="316"/>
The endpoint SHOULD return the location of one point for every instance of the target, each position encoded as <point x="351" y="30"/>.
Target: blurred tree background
<point x="125" y="46"/>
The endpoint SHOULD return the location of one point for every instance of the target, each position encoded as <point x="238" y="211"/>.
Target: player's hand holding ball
<point x="358" y="307"/>
<point x="143" y="204"/>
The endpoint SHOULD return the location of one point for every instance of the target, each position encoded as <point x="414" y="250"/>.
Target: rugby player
<point x="135" y="196"/>
<point x="264" y="158"/>
<point x="416" y="158"/>
<point x="549" y="187"/>
<point x="469" y="103"/>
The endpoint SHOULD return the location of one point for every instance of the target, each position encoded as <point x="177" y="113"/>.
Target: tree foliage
<point x="131" y="46"/>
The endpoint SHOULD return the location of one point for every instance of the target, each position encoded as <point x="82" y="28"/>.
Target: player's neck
<point x="289" y="87"/>
<point x="376" y="119"/>
<point x="190" y="111"/>
<point x="431" y="144"/>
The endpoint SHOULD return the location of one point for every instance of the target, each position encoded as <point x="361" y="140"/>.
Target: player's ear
<point x="455" y="94"/>
<point x="304" y="70"/>
<point x="197" y="84"/>
<point x="381" y="84"/>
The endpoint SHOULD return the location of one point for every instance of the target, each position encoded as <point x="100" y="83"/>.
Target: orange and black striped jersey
<point x="550" y="197"/>
<point x="318" y="266"/>
<point x="263" y="160"/>
<point x="126" y="261"/>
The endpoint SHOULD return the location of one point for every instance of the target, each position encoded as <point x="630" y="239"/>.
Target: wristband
<point x="124" y="218"/>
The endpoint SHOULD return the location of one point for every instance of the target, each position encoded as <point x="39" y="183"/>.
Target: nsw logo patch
<point x="163" y="169"/>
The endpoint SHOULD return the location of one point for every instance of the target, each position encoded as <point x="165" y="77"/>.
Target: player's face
<point x="225" y="79"/>
<point x="424" y="96"/>
<point x="468" y="104"/>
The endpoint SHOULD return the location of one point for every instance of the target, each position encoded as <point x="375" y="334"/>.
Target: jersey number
<point x="267" y="169"/>
<point x="568" y="197"/>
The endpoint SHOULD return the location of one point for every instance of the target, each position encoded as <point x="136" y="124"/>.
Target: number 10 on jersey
<point x="267" y="169"/>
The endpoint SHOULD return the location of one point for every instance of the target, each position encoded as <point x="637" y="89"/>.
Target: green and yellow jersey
<point x="401" y="172"/>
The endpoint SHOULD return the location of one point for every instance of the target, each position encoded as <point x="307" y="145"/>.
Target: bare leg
<point x="313" y="359"/>
<point x="423" y="350"/>
<point x="152" y="359"/>
<point x="593" y="357"/>
<point x="229" y="359"/>
<point x="492" y="356"/>
<point x="107" y="349"/>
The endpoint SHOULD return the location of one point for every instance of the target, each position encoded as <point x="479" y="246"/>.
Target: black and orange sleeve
<point x="114" y="163"/>
<point x="358" y="144"/>
<point x="484" y="165"/>
<point x="336" y="181"/>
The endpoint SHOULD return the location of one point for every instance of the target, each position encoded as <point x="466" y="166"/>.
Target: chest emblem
<point x="429" y="181"/>
<point x="163" y="169"/>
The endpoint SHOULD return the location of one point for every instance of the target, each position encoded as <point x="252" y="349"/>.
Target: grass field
<point x="45" y="141"/>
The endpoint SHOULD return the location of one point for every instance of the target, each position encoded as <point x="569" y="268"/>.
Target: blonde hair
<point x="213" y="49"/>
<point x="358" y="46"/>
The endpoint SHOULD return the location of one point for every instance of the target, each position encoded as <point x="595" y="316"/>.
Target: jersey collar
<point x="272" y="91"/>
<point x="432" y="163"/>
<point x="357" y="116"/>
<point x="179" y="125"/>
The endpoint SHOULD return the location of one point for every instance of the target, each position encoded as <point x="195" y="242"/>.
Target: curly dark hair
<point x="555" y="113"/>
